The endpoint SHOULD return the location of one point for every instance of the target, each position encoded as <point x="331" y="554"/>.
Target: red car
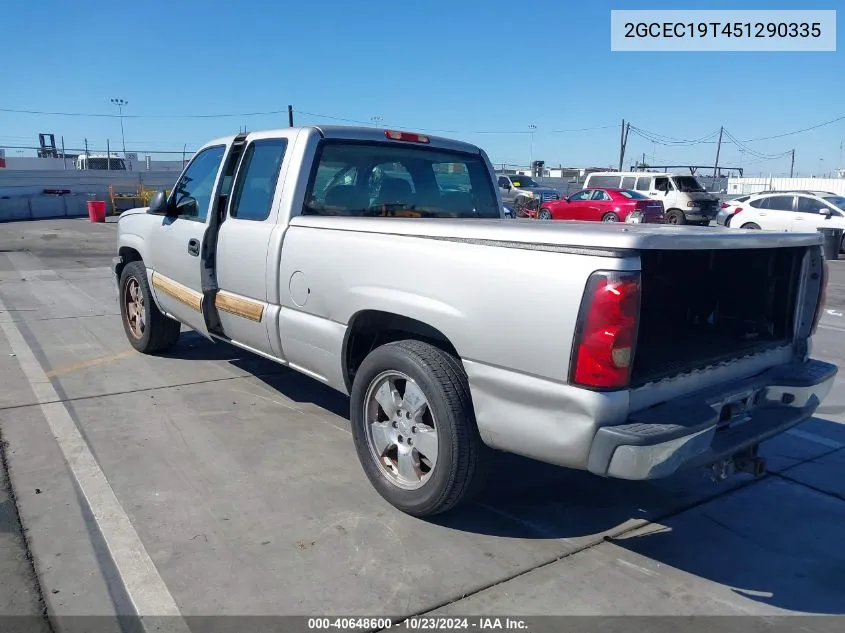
<point x="603" y="205"/>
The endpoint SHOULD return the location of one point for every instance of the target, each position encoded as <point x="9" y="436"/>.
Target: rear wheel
<point x="148" y="330"/>
<point x="675" y="216"/>
<point x="414" y="428"/>
<point x="751" y="225"/>
<point x="610" y="217"/>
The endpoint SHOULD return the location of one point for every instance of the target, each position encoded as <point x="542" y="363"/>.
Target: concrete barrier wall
<point x="22" y="197"/>
<point x="43" y="207"/>
<point x="32" y="182"/>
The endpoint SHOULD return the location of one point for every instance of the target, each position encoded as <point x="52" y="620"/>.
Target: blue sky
<point x="459" y="65"/>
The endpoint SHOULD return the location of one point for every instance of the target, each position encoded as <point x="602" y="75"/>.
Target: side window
<point x="808" y="205"/>
<point x="644" y="183"/>
<point x="503" y="182"/>
<point x="605" y="181"/>
<point x="257" y="178"/>
<point x="628" y="182"/>
<point x="662" y="184"/>
<point x="193" y="192"/>
<point x="760" y="203"/>
<point x="780" y="203"/>
<point x="582" y="195"/>
<point x="600" y="195"/>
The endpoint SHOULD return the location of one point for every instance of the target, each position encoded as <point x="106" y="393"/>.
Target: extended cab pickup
<point x="378" y="263"/>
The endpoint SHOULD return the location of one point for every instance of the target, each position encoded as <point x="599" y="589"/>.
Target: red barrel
<point x="96" y="211"/>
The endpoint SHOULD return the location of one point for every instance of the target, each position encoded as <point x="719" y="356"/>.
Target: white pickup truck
<point x="379" y="263"/>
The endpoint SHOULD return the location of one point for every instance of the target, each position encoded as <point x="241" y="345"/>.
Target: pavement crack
<point x="607" y="538"/>
<point x="142" y="390"/>
<point x="827" y="493"/>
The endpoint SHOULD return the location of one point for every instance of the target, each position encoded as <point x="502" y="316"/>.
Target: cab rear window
<point x="383" y="179"/>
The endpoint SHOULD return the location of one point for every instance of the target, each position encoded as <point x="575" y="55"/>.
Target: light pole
<point x="532" y="127"/>
<point x="120" y="103"/>
<point x="377" y="120"/>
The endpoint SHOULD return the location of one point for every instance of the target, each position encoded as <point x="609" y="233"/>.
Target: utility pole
<point x="792" y="164"/>
<point x="290" y="116"/>
<point x="718" y="149"/>
<point x="64" y="156"/>
<point x="532" y="127"/>
<point x="86" y="149"/>
<point x="120" y="103"/>
<point x="623" y="142"/>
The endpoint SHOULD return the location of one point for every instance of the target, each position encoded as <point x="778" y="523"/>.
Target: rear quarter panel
<point x="512" y="308"/>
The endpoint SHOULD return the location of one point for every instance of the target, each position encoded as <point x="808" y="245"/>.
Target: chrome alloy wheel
<point x="135" y="313"/>
<point x="400" y="430"/>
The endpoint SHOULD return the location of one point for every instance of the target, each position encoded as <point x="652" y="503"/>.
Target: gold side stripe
<point x="181" y="293"/>
<point x="239" y="306"/>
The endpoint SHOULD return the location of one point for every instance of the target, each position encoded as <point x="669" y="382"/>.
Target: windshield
<point x="687" y="184"/>
<point x="523" y="181"/>
<point x="836" y="201"/>
<point x="354" y="178"/>
<point x="633" y="195"/>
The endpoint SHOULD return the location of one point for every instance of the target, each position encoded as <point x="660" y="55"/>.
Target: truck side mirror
<point x="158" y="203"/>
<point x="506" y="187"/>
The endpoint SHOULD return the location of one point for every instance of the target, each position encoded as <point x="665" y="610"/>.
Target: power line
<point x="278" y="112"/>
<point x="793" y="132"/>
<point x="754" y="153"/>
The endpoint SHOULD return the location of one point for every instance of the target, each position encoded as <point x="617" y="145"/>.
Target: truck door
<point x="241" y="262"/>
<point x="177" y="242"/>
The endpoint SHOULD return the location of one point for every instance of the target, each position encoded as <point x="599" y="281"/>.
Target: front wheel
<point x="148" y="330"/>
<point x="414" y="428"/>
<point x="544" y="214"/>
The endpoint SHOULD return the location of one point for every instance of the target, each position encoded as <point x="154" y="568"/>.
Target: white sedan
<point x="794" y="211"/>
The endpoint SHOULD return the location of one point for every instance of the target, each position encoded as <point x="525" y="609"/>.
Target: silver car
<point x="518" y="191"/>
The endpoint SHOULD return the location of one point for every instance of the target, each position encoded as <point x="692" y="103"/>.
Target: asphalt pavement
<point x="213" y="482"/>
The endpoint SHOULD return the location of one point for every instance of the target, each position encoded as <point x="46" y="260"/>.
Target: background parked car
<point x="728" y="209"/>
<point x="604" y="204"/>
<point x="518" y="191"/>
<point x="685" y="200"/>
<point x="795" y="211"/>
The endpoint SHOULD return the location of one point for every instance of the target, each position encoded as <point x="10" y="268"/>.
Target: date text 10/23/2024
<point x="729" y="30"/>
<point x="420" y="623"/>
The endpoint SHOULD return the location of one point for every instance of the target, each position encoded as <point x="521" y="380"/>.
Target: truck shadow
<point x="772" y="541"/>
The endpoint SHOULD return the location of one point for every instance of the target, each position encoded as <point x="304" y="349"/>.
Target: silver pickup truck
<point x="378" y="262"/>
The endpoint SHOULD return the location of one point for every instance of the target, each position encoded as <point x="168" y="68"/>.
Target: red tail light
<point x="606" y="334"/>
<point x="725" y="205"/>
<point x="822" y="299"/>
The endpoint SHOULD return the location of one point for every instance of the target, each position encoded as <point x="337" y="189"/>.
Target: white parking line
<point x="144" y="585"/>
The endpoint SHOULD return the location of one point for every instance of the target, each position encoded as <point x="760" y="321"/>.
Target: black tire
<point x="610" y="217"/>
<point x="462" y="458"/>
<point x="675" y="216"/>
<point x="159" y="331"/>
<point x="544" y="214"/>
<point x="751" y="225"/>
<point x="842" y="245"/>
